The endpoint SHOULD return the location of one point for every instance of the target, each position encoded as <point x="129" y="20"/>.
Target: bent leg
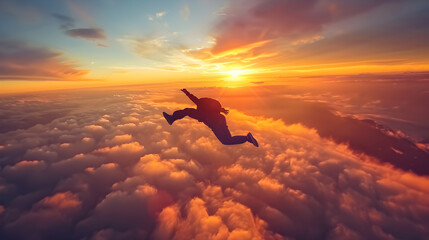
<point x="222" y="133"/>
<point x="179" y="114"/>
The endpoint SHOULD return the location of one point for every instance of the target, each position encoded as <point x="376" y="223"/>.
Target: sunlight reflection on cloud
<point x="122" y="179"/>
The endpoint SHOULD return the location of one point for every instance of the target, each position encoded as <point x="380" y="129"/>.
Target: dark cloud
<point x="68" y="25"/>
<point x="157" y="48"/>
<point x="119" y="171"/>
<point x="87" y="33"/>
<point x="20" y="61"/>
<point x="66" y="22"/>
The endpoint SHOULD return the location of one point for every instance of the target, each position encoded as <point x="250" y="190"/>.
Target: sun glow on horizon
<point x="235" y="73"/>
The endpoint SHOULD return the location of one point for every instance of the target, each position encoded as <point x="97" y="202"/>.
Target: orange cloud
<point x="63" y="201"/>
<point x="20" y="61"/>
<point x="120" y="139"/>
<point x="132" y="147"/>
<point x="176" y="182"/>
<point x="287" y="38"/>
<point x="231" y="220"/>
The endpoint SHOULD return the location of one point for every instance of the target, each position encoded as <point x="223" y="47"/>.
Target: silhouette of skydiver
<point x="209" y="112"/>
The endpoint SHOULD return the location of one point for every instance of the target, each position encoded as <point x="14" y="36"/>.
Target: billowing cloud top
<point x="108" y="166"/>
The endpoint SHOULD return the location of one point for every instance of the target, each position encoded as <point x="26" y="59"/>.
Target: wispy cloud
<point x="67" y="24"/>
<point x="157" y="16"/>
<point x="20" y="61"/>
<point x="160" y="14"/>
<point x="299" y="38"/>
<point x="319" y="36"/>
<point x="151" y="47"/>
<point x="185" y="12"/>
<point x="87" y="33"/>
<point x="286" y="19"/>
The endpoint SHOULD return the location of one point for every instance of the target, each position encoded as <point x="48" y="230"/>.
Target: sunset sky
<point x="336" y="93"/>
<point x="63" y="44"/>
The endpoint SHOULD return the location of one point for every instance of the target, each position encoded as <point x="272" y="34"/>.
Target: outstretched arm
<point x="190" y="95"/>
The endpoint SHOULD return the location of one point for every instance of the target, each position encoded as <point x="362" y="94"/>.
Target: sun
<point x="235" y="73"/>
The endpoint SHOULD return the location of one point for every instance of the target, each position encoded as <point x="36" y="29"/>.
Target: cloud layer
<point x="338" y="111"/>
<point x="118" y="171"/>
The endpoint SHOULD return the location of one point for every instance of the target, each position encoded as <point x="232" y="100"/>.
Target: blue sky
<point x="117" y="42"/>
<point x="181" y="22"/>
